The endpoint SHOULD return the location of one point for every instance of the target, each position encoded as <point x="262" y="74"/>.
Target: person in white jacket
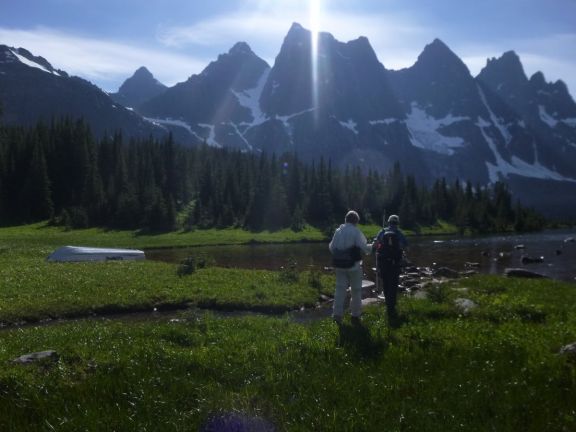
<point x="347" y="247"/>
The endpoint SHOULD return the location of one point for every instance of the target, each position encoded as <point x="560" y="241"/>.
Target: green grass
<point x="496" y="368"/>
<point x="47" y="237"/>
<point x="44" y="238"/>
<point x="438" y="371"/>
<point x="32" y="289"/>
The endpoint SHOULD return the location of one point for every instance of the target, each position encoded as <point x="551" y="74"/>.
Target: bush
<point x="289" y="272"/>
<point x="190" y="264"/>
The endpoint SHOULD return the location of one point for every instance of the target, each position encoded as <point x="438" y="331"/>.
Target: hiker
<point x="390" y="245"/>
<point x="347" y="247"/>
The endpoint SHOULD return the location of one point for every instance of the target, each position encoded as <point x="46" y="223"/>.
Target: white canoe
<point x="80" y="253"/>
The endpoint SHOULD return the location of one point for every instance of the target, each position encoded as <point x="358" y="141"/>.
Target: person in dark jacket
<point x="390" y="246"/>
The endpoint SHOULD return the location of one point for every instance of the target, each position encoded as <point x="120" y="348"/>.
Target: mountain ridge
<point x="434" y="118"/>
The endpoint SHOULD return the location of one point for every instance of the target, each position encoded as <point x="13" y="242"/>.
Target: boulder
<point x="569" y="350"/>
<point x="531" y="260"/>
<point x="420" y="294"/>
<point x="36" y="356"/>
<point x="465" y="305"/>
<point x="570" y="240"/>
<point x="409" y="283"/>
<point x="520" y="246"/>
<point x="445" y="272"/>
<point x="371" y="300"/>
<point x="367" y="287"/>
<point x="520" y="272"/>
<point x="471" y="264"/>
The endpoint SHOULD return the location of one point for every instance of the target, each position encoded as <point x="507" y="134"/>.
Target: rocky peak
<point x="140" y="87"/>
<point x="440" y="61"/>
<point x="506" y="70"/>
<point x="36" y="59"/>
<point x="241" y="48"/>
<point x="537" y="81"/>
<point x="142" y="72"/>
<point x="296" y="30"/>
<point x="141" y="78"/>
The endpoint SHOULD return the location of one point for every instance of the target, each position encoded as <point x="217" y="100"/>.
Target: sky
<point x="105" y="41"/>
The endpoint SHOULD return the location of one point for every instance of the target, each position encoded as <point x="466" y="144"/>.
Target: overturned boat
<point x="80" y="253"/>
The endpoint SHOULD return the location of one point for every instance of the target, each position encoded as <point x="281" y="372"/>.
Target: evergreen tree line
<point x="60" y="172"/>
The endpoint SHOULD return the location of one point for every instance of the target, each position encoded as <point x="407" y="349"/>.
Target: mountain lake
<point x="490" y="254"/>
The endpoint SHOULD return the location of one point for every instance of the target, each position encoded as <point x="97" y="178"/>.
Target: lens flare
<point x="314" y="30"/>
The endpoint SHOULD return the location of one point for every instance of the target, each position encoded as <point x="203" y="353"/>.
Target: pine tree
<point x="35" y="200"/>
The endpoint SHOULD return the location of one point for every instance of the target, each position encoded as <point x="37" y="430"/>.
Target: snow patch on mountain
<point x="211" y="140"/>
<point x="517" y="166"/>
<point x="386" y="121"/>
<point x="497" y="122"/>
<point x="350" y="124"/>
<point x="251" y="99"/>
<point x="30" y="63"/>
<point x="286" y="119"/>
<point x="424" y="132"/>
<point x="172" y="122"/>
<point x="241" y="135"/>
<point x="546" y="118"/>
<point x="570" y="122"/>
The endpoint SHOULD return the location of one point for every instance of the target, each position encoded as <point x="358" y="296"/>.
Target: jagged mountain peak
<point x="506" y="68"/>
<point x="23" y="56"/>
<point x="538" y="80"/>
<point x="140" y="87"/>
<point x="437" y="47"/>
<point x="361" y="43"/>
<point x="438" y="56"/>
<point x="141" y="77"/>
<point x="36" y="59"/>
<point x="142" y="71"/>
<point x="241" y="48"/>
<point x="295" y="28"/>
<point x="240" y="52"/>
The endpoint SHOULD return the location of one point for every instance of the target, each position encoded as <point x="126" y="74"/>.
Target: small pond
<point x="492" y="253"/>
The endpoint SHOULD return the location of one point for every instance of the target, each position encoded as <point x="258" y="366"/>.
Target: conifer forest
<point x="61" y="173"/>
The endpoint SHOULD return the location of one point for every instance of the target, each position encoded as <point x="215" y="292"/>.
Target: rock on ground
<point x="520" y="272"/>
<point x="36" y="356"/>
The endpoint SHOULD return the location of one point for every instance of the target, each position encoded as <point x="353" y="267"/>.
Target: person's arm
<point x="362" y="243"/>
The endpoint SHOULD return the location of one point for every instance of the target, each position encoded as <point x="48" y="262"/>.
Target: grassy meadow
<point x="496" y="368"/>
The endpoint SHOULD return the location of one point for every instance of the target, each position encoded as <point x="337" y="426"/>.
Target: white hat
<point x="393" y="219"/>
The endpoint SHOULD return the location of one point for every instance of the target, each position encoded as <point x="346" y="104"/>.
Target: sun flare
<point x="315" y="16"/>
<point x="315" y="7"/>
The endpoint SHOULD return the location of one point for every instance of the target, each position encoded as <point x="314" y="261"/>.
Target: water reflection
<point x="492" y="254"/>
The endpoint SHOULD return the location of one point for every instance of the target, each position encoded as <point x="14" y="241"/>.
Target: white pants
<point x="348" y="278"/>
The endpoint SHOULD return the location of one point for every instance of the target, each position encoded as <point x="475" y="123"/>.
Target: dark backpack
<point x="388" y="247"/>
<point x="346" y="258"/>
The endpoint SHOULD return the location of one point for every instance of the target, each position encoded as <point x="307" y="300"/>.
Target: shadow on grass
<point x="358" y="341"/>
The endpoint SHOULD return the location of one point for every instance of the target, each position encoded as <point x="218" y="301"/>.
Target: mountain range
<point x="434" y="118"/>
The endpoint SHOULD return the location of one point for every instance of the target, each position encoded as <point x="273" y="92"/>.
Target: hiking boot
<point x="356" y="320"/>
<point x="337" y="319"/>
<point x="394" y="320"/>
